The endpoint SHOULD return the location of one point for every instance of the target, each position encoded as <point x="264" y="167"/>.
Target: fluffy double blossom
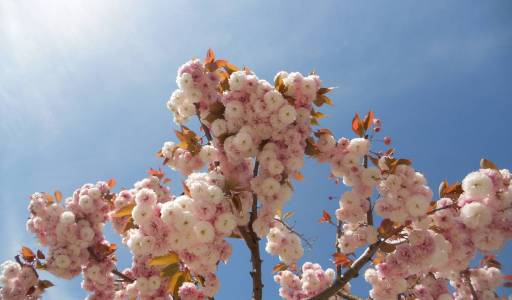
<point x="73" y="233"/>
<point x="17" y="281"/>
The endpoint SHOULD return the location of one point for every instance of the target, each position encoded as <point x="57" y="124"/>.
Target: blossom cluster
<point x="484" y="280"/>
<point x="283" y="242"/>
<point x="346" y="160"/>
<point x="477" y="220"/>
<point x="193" y="226"/>
<point x="404" y="195"/>
<point x="249" y="121"/>
<point x="18" y="282"/>
<point x="73" y="233"/>
<point x="426" y="250"/>
<point x="312" y="281"/>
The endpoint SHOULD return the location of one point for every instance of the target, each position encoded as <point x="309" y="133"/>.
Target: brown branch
<point x="466" y="275"/>
<point x="247" y="233"/>
<point x="204" y="127"/>
<point x="338" y="249"/>
<point x="252" y="241"/>
<point x="441" y="208"/>
<point x="121" y="275"/>
<point x="347" y="296"/>
<point x="354" y="269"/>
<point x="254" y="209"/>
<point x="369" y="213"/>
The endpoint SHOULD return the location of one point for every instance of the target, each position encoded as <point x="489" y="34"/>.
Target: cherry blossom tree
<point x="239" y="170"/>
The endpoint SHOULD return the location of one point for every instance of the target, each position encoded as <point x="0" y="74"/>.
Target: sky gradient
<point x="83" y="87"/>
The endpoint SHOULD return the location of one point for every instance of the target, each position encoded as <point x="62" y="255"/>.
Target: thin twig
<point x="301" y="236"/>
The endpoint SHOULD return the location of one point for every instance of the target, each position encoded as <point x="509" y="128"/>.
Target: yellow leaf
<point x="288" y="215"/>
<point x="298" y="176"/>
<point x="279" y="212"/>
<point x="172" y="285"/>
<point x="124" y="211"/>
<point x="168" y="259"/>
<point x="58" y="196"/>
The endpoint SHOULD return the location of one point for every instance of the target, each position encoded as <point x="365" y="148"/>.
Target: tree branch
<point x="121" y="275"/>
<point x="347" y="296"/>
<point x="338" y="249"/>
<point x="354" y="269"/>
<point x="247" y="233"/>
<point x="467" y="278"/>
<point x="203" y="127"/>
<point x="252" y="241"/>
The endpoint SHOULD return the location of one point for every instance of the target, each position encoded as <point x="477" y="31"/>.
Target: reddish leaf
<point x="27" y="254"/>
<point x="44" y="284"/>
<point x="490" y="261"/>
<point x="357" y="126"/>
<point x="322" y="131"/>
<point x="49" y="198"/>
<point x="229" y="67"/>
<point x="450" y="191"/>
<point x="390" y="152"/>
<point x="386" y="227"/>
<point x="186" y="190"/>
<point x="210" y="56"/>
<point x="341" y="259"/>
<point x="324" y="90"/>
<point x="158" y="173"/>
<point x="326" y="217"/>
<point x="321" y="99"/>
<point x="58" y="196"/>
<point x="111" y="183"/>
<point x="487" y="164"/>
<point x="298" y="176"/>
<point x="311" y="147"/>
<point x="368" y="120"/>
<point x="30" y="291"/>
<point x="189" y="140"/>
<point x="279" y="267"/>
<point x="40" y="254"/>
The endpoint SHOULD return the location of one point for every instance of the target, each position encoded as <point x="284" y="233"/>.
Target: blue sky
<point x="83" y="86"/>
